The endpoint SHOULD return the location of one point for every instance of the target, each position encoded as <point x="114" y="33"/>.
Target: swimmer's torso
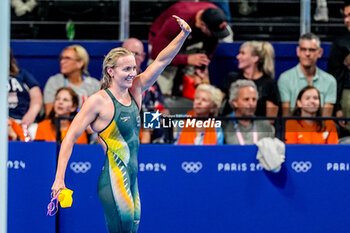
<point x="121" y="135"/>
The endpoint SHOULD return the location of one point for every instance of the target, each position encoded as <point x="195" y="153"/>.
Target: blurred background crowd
<point x="250" y="101"/>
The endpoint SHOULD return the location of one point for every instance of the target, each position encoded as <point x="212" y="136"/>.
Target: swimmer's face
<point x="124" y="72"/>
<point x="137" y="48"/>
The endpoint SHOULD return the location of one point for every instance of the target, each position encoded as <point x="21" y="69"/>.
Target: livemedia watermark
<point x="153" y="120"/>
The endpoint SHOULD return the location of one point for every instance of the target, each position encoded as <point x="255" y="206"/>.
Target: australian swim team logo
<point x="153" y="120"/>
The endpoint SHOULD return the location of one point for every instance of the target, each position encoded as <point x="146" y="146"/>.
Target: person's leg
<point x="321" y="12"/>
<point x="116" y="198"/>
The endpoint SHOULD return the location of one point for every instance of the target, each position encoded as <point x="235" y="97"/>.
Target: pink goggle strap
<point x="52" y="207"/>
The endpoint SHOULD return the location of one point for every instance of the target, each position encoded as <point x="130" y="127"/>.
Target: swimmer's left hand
<point x="184" y="26"/>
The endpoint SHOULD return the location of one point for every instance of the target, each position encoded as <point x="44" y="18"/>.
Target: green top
<point x="293" y="80"/>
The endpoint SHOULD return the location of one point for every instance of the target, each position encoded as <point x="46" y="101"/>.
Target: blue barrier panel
<point x="86" y="213"/>
<point x="31" y="169"/>
<point x="190" y="189"/>
<point x="223" y="189"/>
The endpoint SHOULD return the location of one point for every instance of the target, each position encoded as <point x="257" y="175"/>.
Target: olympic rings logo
<point x="80" y="167"/>
<point x="301" y="166"/>
<point x="191" y="167"/>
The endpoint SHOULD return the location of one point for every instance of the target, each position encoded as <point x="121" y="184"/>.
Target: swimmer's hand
<point x="184" y="26"/>
<point x="57" y="186"/>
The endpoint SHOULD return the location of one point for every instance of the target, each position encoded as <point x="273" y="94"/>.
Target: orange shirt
<point x="188" y="135"/>
<point x="17" y="128"/>
<point x="46" y="132"/>
<point x="303" y="133"/>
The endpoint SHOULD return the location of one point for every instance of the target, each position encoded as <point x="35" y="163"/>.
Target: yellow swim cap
<point x="65" y="198"/>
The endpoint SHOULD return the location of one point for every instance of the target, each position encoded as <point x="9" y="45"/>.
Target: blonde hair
<point x="82" y="54"/>
<point x="215" y="94"/>
<point x="266" y="54"/>
<point x="110" y="61"/>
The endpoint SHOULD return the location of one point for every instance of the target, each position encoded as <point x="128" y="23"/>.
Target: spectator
<point x="181" y="105"/>
<point x="256" y="62"/>
<point x="339" y="67"/>
<point x="307" y="73"/>
<point x="24" y="96"/>
<point x="310" y="131"/>
<point x="208" y="23"/>
<point x="207" y="100"/>
<point x="152" y="98"/>
<point x="74" y="61"/>
<point x="244" y="98"/>
<point x="190" y="83"/>
<point x="66" y="104"/>
<point x="136" y="46"/>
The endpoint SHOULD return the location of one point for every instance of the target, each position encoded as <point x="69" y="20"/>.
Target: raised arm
<point x="36" y="102"/>
<point x="86" y="115"/>
<point x="150" y="75"/>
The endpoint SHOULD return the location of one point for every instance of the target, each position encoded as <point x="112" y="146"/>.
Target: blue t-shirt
<point x="18" y="93"/>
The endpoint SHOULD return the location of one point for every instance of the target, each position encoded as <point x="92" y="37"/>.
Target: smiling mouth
<point x="59" y="109"/>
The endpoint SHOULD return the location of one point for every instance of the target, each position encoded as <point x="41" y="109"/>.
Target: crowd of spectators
<point x="64" y="93"/>
<point x="184" y="87"/>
